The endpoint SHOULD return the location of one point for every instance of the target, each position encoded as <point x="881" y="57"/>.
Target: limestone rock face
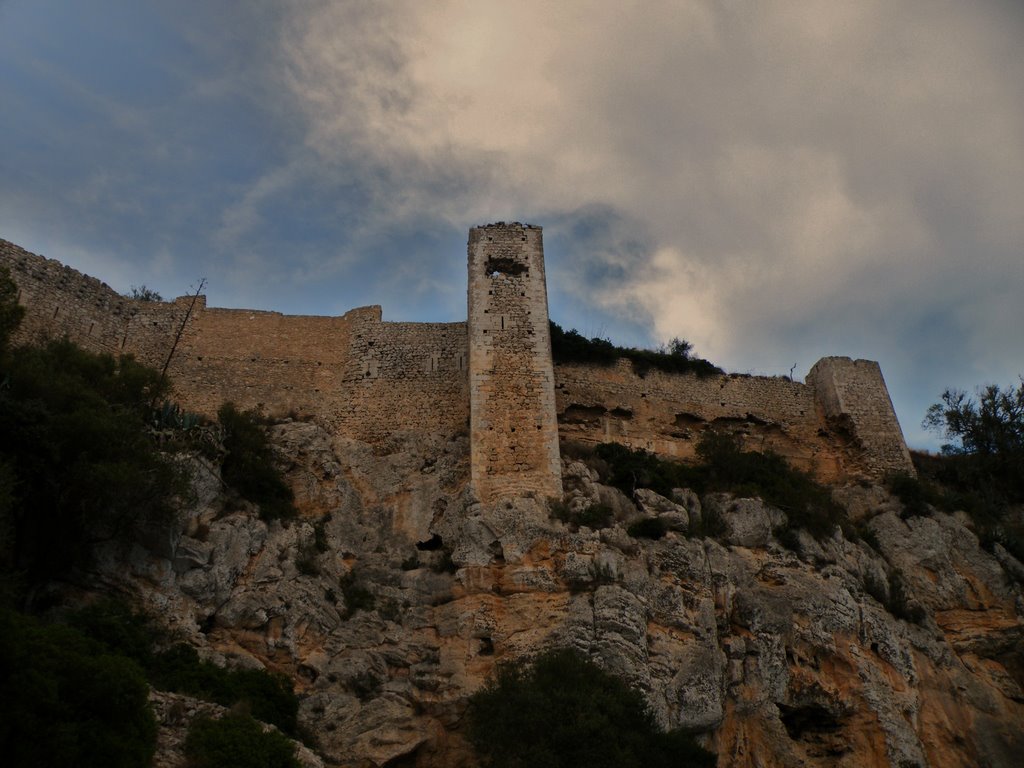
<point x="839" y="655"/>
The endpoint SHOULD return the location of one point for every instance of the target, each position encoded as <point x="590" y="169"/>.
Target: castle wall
<point x="405" y="377"/>
<point x="667" y="413"/>
<point x="64" y="302"/>
<point x="363" y="378"/>
<point x="514" y="432"/>
<point x="367" y="379"/>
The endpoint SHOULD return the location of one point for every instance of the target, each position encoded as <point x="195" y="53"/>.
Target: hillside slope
<point x="393" y="595"/>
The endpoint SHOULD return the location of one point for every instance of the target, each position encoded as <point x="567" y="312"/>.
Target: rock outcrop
<point x="394" y="594"/>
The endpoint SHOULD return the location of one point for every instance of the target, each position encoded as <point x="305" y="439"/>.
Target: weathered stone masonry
<point x="491" y="376"/>
<point x="514" y="432"/>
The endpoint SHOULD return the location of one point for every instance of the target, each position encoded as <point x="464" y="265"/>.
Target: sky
<point x="774" y="181"/>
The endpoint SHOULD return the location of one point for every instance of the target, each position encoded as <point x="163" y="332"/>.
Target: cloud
<point x="760" y="138"/>
<point x="772" y="181"/>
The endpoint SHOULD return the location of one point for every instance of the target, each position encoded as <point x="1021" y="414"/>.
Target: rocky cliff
<point x="392" y="597"/>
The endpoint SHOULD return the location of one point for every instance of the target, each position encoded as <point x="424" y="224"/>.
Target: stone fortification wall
<point x="855" y="400"/>
<point x="368" y="379"/>
<point x="840" y="425"/>
<point x="362" y="377"/>
<point x="514" y="432"/>
<point x="64" y="302"/>
<point x="666" y="413"/>
<point x="402" y="377"/>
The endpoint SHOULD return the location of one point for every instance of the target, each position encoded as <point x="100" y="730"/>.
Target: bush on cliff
<point x="67" y="701"/>
<point x="981" y="470"/>
<point x="238" y="741"/>
<point x="121" y="630"/>
<point x="724" y="466"/>
<point x="249" y="463"/>
<point x="563" y="710"/>
<point x="78" y="466"/>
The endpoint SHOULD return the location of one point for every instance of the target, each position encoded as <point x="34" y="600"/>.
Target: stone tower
<point x="852" y="394"/>
<point x="513" y="425"/>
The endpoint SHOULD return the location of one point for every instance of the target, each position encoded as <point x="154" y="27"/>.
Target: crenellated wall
<point x="368" y="379"/>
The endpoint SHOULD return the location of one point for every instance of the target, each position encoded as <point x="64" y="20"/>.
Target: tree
<point x="78" y="465"/>
<point x="249" y="464"/>
<point x="11" y="311"/>
<point x="563" y="710"/>
<point x="239" y="741"/>
<point x="987" y="438"/>
<point x="993" y="424"/>
<point x="143" y="293"/>
<point x="65" y="700"/>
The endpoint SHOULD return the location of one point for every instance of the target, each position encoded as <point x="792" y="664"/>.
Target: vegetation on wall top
<point x="675" y="357"/>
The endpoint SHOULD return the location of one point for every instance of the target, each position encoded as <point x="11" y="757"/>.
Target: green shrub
<point x="629" y="469"/>
<point x="124" y="631"/>
<point x="237" y="741"/>
<point x="66" y="701"/>
<point x="86" y="469"/>
<point x="912" y="493"/>
<point x="119" y="628"/>
<point x="248" y="465"/>
<point x="268" y="696"/>
<point x="306" y="561"/>
<point x="648" y="528"/>
<point x="320" y="533"/>
<point x="563" y="710"/>
<point x="725" y="467"/>
<point x="596" y="516"/>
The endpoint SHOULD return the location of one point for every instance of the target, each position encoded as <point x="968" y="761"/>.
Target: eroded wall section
<point x="667" y="413"/>
<point x="855" y="400"/>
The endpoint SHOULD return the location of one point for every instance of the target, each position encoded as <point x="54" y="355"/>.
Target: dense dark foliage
<point x="648" y="528"/>
<point x="248" y="465"/>
<point x="11" y="312"/>
<point x="596" y="516"/>
<point x="77" y="464"/>
<point x="986" y="439"/>
<point x="563" y="710"/>
<point x="65" y="700"/>
<point x="238" y="741"/>
<point x="723" y="466"/>
<point x="572" y="347"/>
<point x="981" y="470"/>
<point x="268" y="696"/>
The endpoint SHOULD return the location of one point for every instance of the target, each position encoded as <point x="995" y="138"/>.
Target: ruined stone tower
<point x="853" y="396"/>
<point x="513" y="422"/>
